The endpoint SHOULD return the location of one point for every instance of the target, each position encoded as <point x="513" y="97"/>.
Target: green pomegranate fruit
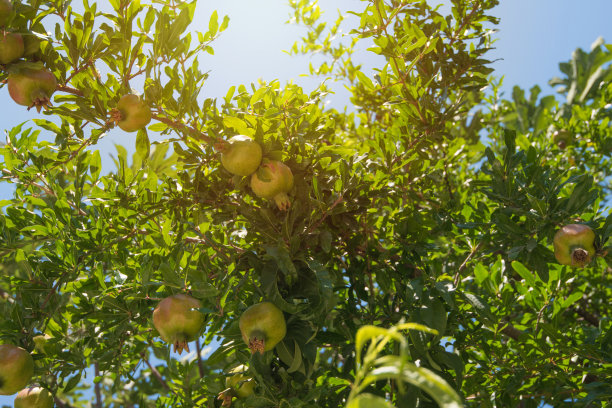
<point x="16" y="369"/>
<point x="273" y="180"/>
<point x="562" y="138"/>
<point x="366" y="400"/>
<point x="6" y="7"/>
<point x="241" y="155"/>
<point x="263" y="327"/>
<point x="178" y="320"/>
<point x="243" y="385"/>
<point x="131" y="113"/>
<point x="34" y="397"/>
<point x="574" y="245"/>
<point x="32" y="87"/>
<point x="11" y="47"/>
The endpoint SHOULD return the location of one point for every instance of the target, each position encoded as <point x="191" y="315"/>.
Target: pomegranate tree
<point x="31" y="87"/>
<point x="241" y="155"/>
<point x="34" y="397"/>
<point x="131" y="113"/>
<point x="573" y="245"/>
<point x="11" y="47"/>
<point x="273" y="181"/>
<point x="16" y="369"/>
<point x="262" y="326"/>
<point x="178" y="320"/>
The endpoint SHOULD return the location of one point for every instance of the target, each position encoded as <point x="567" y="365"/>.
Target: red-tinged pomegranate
<point x="131" y="113"/>
<point x="11" y="47"/>
<point x="34" y="397"/>
<point x="32" y="87"/>
<point x="273" y="180"/>
<point x="6" y="8"/>
<point x="241" y="155"/>
<point x="178" y="320"/>
<point x="262" y="326"/>
<point x="16" y="369"/>
<point x="573" y="245"/>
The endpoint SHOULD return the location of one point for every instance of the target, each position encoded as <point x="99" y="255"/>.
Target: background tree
<point x="414" y="266"/>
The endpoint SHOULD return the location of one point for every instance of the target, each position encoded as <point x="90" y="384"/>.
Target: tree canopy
<point x="425" y="246"/>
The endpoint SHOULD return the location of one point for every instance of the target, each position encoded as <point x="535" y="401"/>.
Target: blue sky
<point x="534" y="36"/>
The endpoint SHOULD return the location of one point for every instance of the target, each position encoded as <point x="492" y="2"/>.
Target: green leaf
<point x="143" y="146"/>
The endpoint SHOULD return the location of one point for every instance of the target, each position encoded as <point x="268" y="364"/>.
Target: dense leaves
<point x="414" y="266"/>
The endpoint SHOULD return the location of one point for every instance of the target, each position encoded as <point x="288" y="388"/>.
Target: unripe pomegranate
<point x="262" y="326"/>
<point x="273" y="180"/>
<point x="562" y="138"/>
<point x="238" y="385"/>
<point x="34" y="397"/>
<point x="178" y="320"/>
<point x="11" y="47"/>
<point x="241" y="155"/>
<point x="32" y="87"/>
<point x="16" y="369"/>
<point x="131" y="113"/>
<point x="242" y="384"/>
<point x="6" y="7"/>
<point x="574" y="245"/>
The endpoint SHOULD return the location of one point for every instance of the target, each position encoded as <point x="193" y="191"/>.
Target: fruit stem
<point x="221" y="146"/>
<point x="257" y="342"/>
<point x="580" y="257"/>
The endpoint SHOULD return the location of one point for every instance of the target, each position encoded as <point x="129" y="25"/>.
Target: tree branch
<point x="154" y="371"/>
<point x="97" y="389"/>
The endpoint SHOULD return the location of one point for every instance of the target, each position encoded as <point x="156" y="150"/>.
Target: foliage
<point x="431" y="200"/>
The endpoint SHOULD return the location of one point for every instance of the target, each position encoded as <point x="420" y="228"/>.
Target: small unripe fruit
<point x="241" y="155"/>
<point x="131" y="113"/>
<point x="16" y="369"/>
<point x="262" y="327"/>
<point x="242" y="384"/>
<point x="178" y="320"/>
<point x="34" y="397"/>
<point x="562" y="138"/>
<point x="573" y="245"/>
<point x="11" y="47"/>
<point x="273" y="181"/>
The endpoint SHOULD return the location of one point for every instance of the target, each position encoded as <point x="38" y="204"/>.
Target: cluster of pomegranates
<point x="270" y="179"/>
<point x="29" y="82"/>
<point x="178" y="320"/>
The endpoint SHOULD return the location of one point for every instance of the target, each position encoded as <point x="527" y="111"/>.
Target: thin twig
<point x="154" y="371"/>
<point x="200" y="364"/>
<point x="464" y="264"/>
<point x="325" y="214"/>
<point x="97" y="389"/>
